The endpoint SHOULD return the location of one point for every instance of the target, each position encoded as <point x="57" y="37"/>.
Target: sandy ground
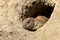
<point x="11" y="26"/>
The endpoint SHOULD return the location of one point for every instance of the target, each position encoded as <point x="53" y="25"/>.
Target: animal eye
<point x="28" y="22"/>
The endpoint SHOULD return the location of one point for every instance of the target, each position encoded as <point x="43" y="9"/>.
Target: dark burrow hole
<point x="39" y="9"/>
<point x="45" y="11"/>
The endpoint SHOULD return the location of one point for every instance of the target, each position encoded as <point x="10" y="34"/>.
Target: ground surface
<point x="11" y="26"/>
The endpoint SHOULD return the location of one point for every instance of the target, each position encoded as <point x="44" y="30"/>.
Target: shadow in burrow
<point x="39" y="9"/>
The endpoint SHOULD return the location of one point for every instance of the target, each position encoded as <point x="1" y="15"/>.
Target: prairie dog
<point x="34" y="23"/>
<point x="28" y="23"/>
<point x="39" y="22"/>
<point x="42" y="18"/>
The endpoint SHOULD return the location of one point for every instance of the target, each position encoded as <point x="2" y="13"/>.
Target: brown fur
<point x="34" y="23"/>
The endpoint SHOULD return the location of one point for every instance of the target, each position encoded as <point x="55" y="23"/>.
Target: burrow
<point x="40" y="8"/>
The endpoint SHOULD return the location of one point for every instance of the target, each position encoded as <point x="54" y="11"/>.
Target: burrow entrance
<point x="39" y="9"/>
